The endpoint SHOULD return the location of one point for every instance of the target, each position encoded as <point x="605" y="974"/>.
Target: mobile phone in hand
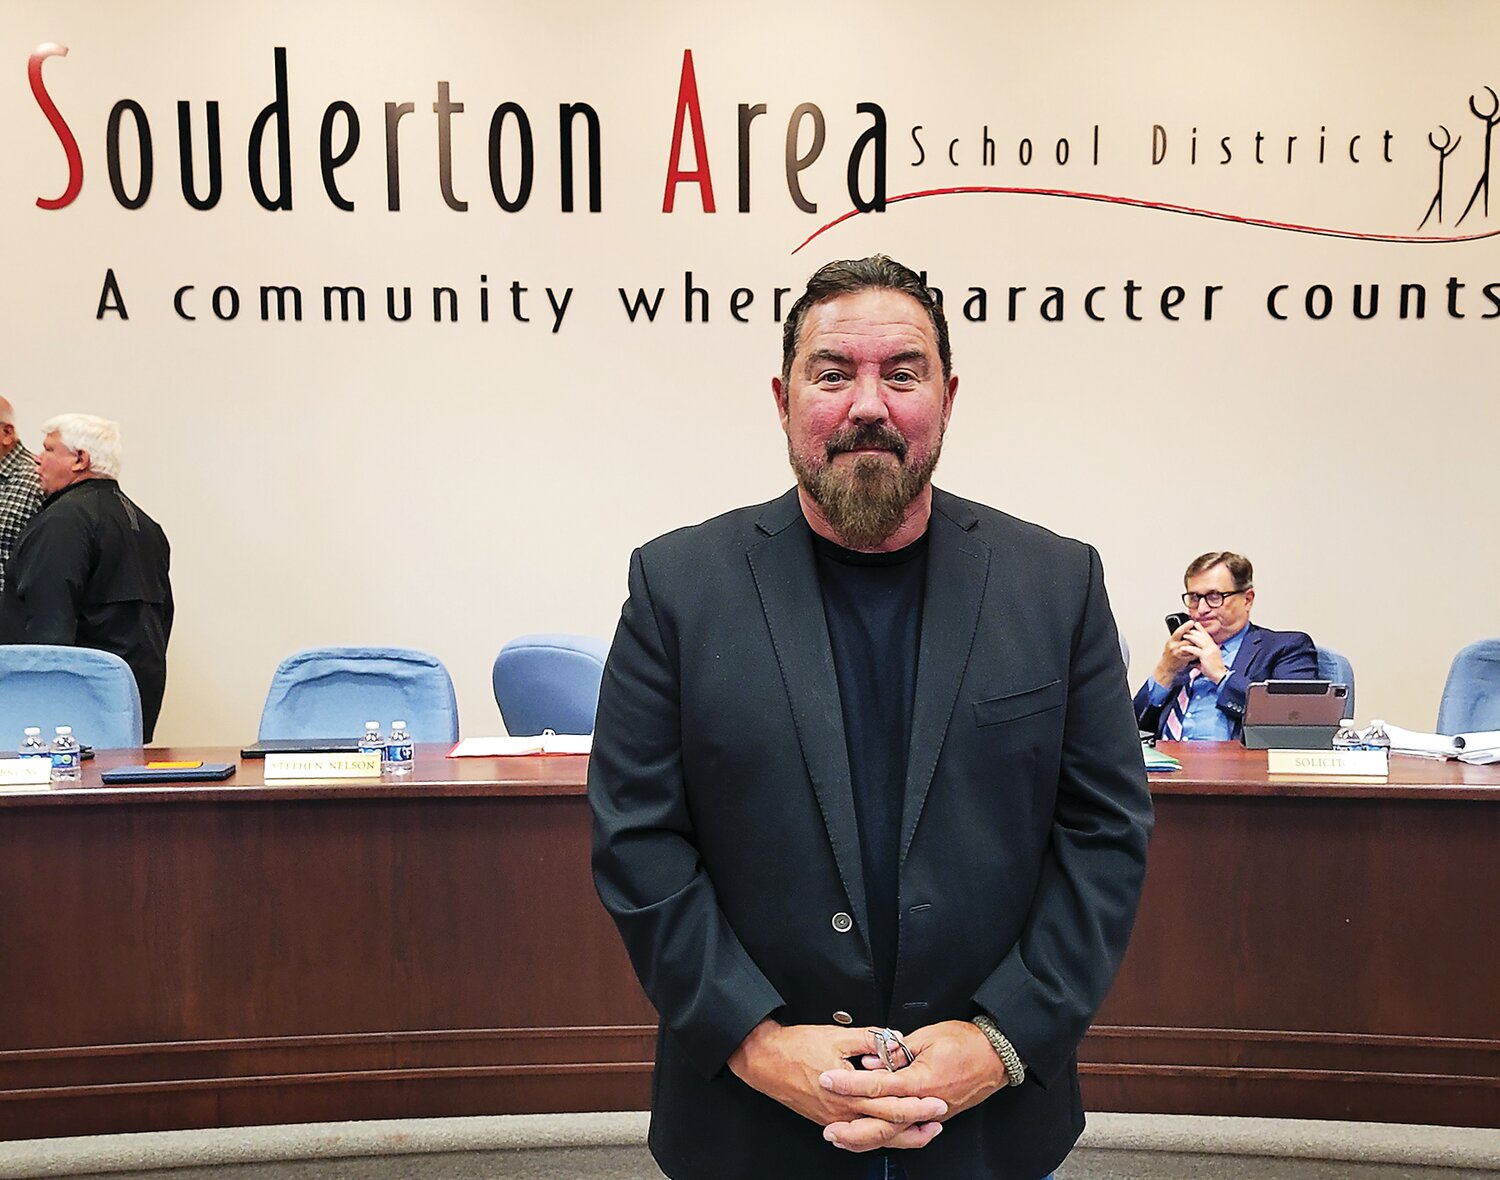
<point x="1177" y="619"/>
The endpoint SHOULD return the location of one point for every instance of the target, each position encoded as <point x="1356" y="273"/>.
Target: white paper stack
<point x="1474" y="748"/>
<point x="1427" y="745"/>
<point x="1480" y="748"/>
<point x="515" y="747"/>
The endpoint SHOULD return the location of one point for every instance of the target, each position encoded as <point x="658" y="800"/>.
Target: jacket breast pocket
<point x="1025" y="703"/>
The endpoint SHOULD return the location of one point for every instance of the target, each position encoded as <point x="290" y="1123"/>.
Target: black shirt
<point x="873" y="605"/>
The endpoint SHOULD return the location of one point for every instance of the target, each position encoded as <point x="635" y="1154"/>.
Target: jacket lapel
<point x="958" y="566"/>
<point x="1244" y="659"/>
<point x="786" y="578"/>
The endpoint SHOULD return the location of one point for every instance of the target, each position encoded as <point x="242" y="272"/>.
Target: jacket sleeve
<point x="1147" y="715"/>
<point x="1044" y="993"/>
<point x="51" y="569"/>
<point x="647" y="869"/>
<point x="1295" y="659"/>
<point x="168" y="605"/>
<point x="1299" y="660"/>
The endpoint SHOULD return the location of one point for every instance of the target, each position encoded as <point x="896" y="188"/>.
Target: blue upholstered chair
<point x="93" y="691"/>
<point x="1471" y="698"/>
<point x="549" y="682"/>
<point x="329" y="692"/>
<point x="1337" y="668"/>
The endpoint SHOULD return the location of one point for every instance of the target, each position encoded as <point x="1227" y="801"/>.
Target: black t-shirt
<point x="873" y="605"/>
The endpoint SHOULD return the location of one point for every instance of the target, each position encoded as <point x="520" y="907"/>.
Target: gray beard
<point x="866" y="502"/>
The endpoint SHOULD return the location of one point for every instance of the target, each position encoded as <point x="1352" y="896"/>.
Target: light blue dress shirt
<point x="1205" y="721"/>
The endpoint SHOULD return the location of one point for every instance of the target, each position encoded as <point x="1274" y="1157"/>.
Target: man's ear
<point x="949" y="396"/>
<point x="779" y="390"/>
<point x="82" y="461"/>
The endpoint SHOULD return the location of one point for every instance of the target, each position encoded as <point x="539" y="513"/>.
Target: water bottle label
<point x="400" y="753"/>
<point x="65" y="760"/>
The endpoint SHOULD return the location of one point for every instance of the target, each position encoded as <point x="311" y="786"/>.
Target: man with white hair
<point x="20" y="494"/>
<point x="91" y="568"/>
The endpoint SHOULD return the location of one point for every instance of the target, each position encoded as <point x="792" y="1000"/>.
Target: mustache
<point x="874" y="437"/>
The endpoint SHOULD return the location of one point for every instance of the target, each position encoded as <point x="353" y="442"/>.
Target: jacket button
<point x="842" y="1017"/>
<point x="842" y="922"/>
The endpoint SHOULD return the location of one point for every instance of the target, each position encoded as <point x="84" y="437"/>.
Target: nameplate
<point x="319" y="766"/>
<point x="25" y="772"/>
<point x="1318" y="763"/>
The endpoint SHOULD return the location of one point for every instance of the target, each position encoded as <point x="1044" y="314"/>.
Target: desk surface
<point x="433" y="776"/>
<point x="1227" y="768"/>
<point x="1208" y="768"/>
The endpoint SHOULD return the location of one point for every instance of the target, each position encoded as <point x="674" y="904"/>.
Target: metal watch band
<point x="1015" y="1069"/>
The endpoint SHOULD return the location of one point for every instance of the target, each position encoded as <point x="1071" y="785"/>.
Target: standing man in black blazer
<point x="870" y="809"/>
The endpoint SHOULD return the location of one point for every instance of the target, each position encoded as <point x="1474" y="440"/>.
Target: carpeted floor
<point x="572" y="1163"/>
<point x="611" y="1147"/>
<point x="633" y="1163"/>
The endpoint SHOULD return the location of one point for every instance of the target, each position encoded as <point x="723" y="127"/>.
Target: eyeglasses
<point x="1214" y="598"/>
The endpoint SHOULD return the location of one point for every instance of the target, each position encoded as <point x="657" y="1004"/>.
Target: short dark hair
<point x="863" y="274"/>
<point x="1237" y="564"/>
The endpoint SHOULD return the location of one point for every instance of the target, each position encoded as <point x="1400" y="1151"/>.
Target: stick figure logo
<point x="1449" y="144"/>
<point x="1489" y="119"/>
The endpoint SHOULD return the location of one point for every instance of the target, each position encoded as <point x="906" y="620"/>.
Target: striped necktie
<point x="1171" y="727"/>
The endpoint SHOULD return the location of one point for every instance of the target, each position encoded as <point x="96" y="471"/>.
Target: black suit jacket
<point x="1264" y="655"/>
<point x="92" y="570"/>
<point x="726" y="849"/>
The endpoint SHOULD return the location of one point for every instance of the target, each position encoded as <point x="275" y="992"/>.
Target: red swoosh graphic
<point x="1162" y="206"/>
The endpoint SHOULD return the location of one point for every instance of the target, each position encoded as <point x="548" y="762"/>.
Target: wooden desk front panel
<point x="216" y="963"/>
<point x="202" y="956"/>
<point x="1311" y="956"/>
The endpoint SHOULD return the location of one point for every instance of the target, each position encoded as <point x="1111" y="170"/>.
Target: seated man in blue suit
<point x="1197" y="690"/>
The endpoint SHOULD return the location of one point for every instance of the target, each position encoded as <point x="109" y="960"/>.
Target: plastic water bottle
<point x="33" y="748"/>
<point x="67" y="759"/>
<point x="398" y="752"/>
<point x="1376" y="738"/>
<point x="372" y="742"/>
<point x="1347" y="738"/>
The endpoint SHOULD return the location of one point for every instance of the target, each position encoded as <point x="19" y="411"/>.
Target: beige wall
<point x="1350" y="459"/>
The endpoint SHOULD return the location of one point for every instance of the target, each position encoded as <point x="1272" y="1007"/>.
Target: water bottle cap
<point x="64" y="729"/>
<point x="33" y="731"/>
<point x="372" y="725"/>
<point x="1378" y="724"/>
<point x="398" y="725"/>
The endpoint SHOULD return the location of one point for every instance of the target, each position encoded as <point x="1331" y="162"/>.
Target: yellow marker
<point x="173" y="765"/>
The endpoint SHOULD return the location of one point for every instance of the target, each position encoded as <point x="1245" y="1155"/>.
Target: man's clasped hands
<point x="811" y="1069"/>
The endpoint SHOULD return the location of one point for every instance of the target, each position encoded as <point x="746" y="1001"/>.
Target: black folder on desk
<point x="301" y="746"/>
<point x="203" y="772"/>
